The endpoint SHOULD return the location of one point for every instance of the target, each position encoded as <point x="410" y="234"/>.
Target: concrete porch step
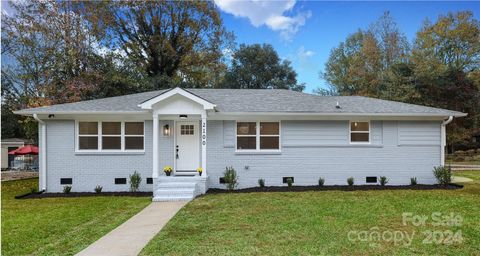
<point x="176" y="185"/>
<point x="172" y="198"/>
<point x="186" y="192"/>
<point x="178" y="188"/>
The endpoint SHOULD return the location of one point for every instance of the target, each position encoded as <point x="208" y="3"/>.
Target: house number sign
<point x="204" y="133"/>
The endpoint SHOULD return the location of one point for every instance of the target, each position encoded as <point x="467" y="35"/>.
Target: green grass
<point x="317" y="223"/>
<point x="474" y="175"/>
<point x="59" y="226"/>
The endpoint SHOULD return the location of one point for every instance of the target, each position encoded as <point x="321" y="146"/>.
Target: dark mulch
<point x="329" y="188"/>
<point x="82" y="194"/>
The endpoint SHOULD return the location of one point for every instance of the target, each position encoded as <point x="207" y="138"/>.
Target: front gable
<point x="177" y="101"/>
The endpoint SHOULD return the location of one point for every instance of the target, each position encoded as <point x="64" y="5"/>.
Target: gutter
<point x="43" y="153"/>
<point x="443" y="135"/>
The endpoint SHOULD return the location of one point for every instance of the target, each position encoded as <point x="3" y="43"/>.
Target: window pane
<point x="269" y="143"/>
<point x="133" y="142"/>
<point x="359" y="126"/>
<point x="270" y="128"/>
<point x="88" y="128"/>
<point x="359" y="137"/>
<point x="111" y="143"/>
<point x="111" y="128"/>
<point x="88" y="142"/>
<point x="187" y="129"/>
<point x="246" y="143"/>
<point x="244" y="128"/>
<point x="134" y="128"/>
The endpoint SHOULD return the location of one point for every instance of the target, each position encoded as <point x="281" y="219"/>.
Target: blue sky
<point x="305" y="32"/>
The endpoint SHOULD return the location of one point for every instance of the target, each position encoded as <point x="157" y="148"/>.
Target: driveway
<point x="130" y="237"/>
<point x="18" y="175"/>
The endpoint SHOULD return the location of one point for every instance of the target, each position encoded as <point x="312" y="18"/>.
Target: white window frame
<point x="257" y="137"/>
<point x="368" y="132"/>
<point x="100" y="135"/>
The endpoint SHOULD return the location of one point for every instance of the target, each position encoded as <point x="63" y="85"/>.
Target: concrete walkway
<point x="459" y="179"/>
<point x="130" y="237"/>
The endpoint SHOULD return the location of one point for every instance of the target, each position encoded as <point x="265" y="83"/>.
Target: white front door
<point x="188" y="146"/>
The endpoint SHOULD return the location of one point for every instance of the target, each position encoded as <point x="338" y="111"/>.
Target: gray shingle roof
<point x="238" y="100"/>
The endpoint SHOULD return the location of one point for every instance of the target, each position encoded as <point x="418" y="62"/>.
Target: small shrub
<point x="289" y="182"/>
<point x="443" y="174"/>
<point x="33" y="190"/>
<point x="413" y="181"/>
<point x="350" y="181"/>
<point x="460" y="153"/>
<point x="230" y="176"/>
<point x="98" y="189"/>
<point x="321" y="182"/>
<point x="67" y="189"/>
<point x="261" y="183"/>
<point x="135" y="180"/>
<point x="383" y="180"/>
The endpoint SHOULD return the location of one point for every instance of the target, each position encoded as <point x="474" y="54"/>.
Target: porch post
<point x="204" y="143"/>
<point x="155" y="147"/>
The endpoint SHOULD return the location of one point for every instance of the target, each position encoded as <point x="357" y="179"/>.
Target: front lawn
<point x="320" y="222"/>
<point x="59" y="226"/>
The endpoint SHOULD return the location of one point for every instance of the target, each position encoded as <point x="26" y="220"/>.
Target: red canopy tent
<point x="25" y="150"/>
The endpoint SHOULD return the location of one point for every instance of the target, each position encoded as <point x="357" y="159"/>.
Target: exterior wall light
<point x="183" y="116"/>
<point x="166" y="130"/>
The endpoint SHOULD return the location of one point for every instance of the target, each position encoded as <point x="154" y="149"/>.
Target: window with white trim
<point x="359" y="132"/>
<point x="253" y="136"/>
<point x="110" y="136"/>
<point x="88" y="135"/>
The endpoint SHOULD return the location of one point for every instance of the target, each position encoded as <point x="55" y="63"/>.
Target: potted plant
<point x="168" y="170"/>
<point x="199" y="170"/>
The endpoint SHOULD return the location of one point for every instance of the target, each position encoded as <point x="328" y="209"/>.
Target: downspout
<point x="43" y="153"/>
<point x="444" y="139"/>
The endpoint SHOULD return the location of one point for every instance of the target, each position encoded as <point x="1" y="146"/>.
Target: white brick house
<point x="263" y="134"/>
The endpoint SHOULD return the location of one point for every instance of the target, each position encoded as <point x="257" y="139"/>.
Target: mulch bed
<point x="330" y="188"/>
<point x="40" y="195"/>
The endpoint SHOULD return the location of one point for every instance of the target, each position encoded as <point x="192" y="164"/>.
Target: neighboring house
<point x="7" y="146"/>
<point x="268" y="134"/>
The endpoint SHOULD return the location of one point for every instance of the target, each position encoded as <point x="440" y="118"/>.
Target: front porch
<point x="180" y="118"/>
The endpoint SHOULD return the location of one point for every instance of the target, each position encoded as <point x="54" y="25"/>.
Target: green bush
<point x="383" y="180"/>
<point x="98" y="189"/>
<point x="67" y="189"/>
<point x="261" y="183"/>
<point x="289" y="182"/>
<point x="413" y="181"/>
<point x="321" y="182"/>
<point x="33" y="190"/>
<point x="135" y="180"/>
<point x="230" y="177"/>
<point x="443" y="174"/>
<point x="350" y="181"/>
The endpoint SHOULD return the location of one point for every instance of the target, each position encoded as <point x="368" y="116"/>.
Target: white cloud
<point x="268" y="13"/>
<point x="303" y="54"/>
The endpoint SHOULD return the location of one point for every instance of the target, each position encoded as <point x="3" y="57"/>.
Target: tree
<point x="446" y="60"/>
<point x="451" y="42"/>
<point x="173" y="42"/>
<point x="361" y="65"/>
<point x="51" y="57"/>
<point x="259" y="67"/>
